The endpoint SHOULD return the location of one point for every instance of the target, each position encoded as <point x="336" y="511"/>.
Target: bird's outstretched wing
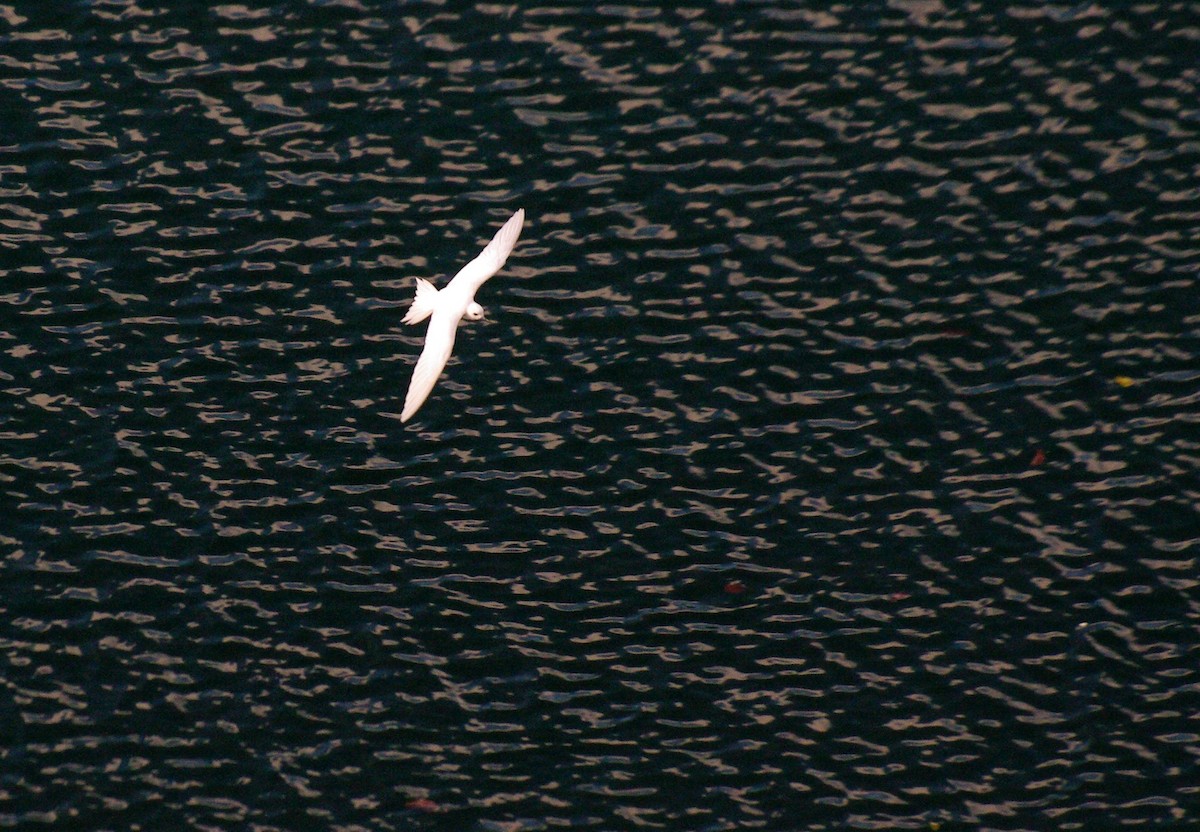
<point x="439" y="343"/>
<point x="471" y="276"/>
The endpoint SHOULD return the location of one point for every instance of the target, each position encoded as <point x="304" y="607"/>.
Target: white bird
<point x="449" y="306"/>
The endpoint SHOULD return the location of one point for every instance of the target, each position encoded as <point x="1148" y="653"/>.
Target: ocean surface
<point x="827" y="459"/>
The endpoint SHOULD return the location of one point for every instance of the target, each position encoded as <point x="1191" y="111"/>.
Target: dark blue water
<point x="828" y="459"/>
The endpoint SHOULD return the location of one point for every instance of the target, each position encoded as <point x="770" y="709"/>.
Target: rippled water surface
<point x="827" y="460"/>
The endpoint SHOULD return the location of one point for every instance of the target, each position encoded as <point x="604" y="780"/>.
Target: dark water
<point x="828" y="460"/>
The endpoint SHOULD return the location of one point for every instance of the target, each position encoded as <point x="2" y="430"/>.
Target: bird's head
<point x="474" y="312"/>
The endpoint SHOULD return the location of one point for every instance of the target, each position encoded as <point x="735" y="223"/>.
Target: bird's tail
<point x="423" y="303"/>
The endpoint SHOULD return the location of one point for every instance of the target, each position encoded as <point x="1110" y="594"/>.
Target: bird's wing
<point x="439" y="343"/>
<point x="491" y="259"/>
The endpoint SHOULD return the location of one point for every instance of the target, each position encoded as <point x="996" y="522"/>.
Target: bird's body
<point x="447" y="307"/>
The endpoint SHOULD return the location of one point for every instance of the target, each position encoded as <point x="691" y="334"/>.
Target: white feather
<point x="423" y="303"/>
<point x="439" y="343"/>
<point x="489" y="261"/>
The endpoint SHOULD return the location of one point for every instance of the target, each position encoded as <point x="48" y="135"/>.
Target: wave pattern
<point x="827" y="460"/>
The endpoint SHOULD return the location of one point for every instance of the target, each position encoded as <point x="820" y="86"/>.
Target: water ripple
<point x="828" y="444"/>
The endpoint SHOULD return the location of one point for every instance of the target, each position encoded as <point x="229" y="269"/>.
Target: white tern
<point x="447" y="307"/>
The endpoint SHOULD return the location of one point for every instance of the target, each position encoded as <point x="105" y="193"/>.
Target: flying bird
<point x="447" y="307"/>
